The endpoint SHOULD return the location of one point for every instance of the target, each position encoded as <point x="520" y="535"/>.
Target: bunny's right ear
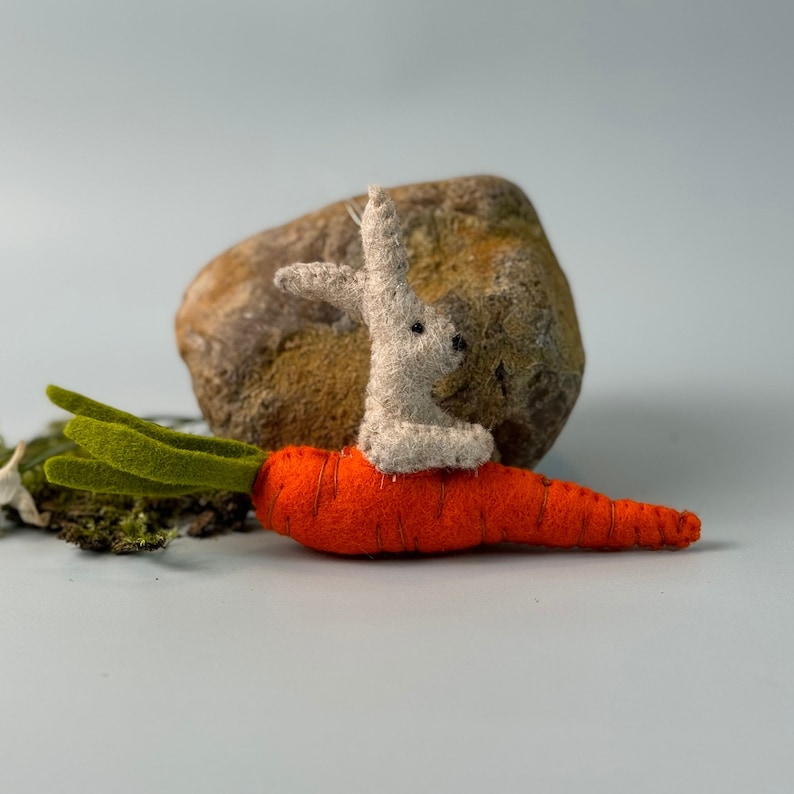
<point x="338" y="285"/>
<point x="385" y="256"/>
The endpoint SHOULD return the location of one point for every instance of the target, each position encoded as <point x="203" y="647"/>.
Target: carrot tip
<point x="688" y="530"/>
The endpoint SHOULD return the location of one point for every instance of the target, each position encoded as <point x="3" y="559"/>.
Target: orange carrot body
<point x="339" y="503"/>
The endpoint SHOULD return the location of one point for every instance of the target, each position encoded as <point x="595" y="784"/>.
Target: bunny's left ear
<point x="338" y="285"/>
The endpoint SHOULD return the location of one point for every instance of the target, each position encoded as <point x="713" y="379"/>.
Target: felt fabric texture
<point x="133" y="452"/>
<point x="134" y="456"/>
<point x="340" y="503"/>
<point x="87" y="474"/>
<point x="80" y="405"/>
<point x="413" y="346"/>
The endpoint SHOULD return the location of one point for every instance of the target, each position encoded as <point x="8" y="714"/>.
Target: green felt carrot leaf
<point x="134" y="456"/>
<point x="79" y="405"/>
<point x="128" y="449"/>
<point x="85" y="474"/>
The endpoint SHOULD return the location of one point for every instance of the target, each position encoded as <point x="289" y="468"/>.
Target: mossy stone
<point x="272" y="369"/>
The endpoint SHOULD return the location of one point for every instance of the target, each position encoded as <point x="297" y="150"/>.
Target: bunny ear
<point x="384" y="250"/>
<point x="338" y="285"/>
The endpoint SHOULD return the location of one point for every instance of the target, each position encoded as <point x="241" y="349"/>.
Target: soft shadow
<point x="500" y="550"/>
<point x="692" y="452"/>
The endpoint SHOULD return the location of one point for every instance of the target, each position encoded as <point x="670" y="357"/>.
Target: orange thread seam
<point x="316" y="506"/>
<point x="581" y="532"/>
<point x="336" y="476"/>
<point x="272" y="507"/>
<point x="546" y="484"/>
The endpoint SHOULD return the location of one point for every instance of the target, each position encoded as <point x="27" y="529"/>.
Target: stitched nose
<point x="458" y="343"/>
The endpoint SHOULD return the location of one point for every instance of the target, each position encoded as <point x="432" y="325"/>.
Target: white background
<point x="140" y="139"/>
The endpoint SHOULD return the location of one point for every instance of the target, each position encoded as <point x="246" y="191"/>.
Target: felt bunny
<point x="413" y="346"/>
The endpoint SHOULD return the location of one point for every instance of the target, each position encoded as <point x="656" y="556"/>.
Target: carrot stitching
<point x="581" y="532"/>
<point x="272" y="507"/>
<point x="336" y="476"/>
<point x="402" y="533"/>
<point x="316" y="507"/>
<point x="442" y="495"/>
<point x="612" y="520"/>
<point x="377" y="535"/>
<point x="546" y="484"/>
<point x="680" y="523"/>
<point x="286" y="527"/>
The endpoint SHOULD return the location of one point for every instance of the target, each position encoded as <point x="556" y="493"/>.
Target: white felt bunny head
<point x="428" y="343"/>
<point x="411" y="334"/>
<point x="413" y="345"/>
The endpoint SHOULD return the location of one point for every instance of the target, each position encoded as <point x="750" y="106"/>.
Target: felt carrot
<point x="339" y="502"/>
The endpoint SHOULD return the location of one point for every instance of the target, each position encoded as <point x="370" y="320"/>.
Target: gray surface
<point x="138" y="140"/>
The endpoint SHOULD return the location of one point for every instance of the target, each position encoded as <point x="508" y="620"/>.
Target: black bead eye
<point x="418" y="328"/>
